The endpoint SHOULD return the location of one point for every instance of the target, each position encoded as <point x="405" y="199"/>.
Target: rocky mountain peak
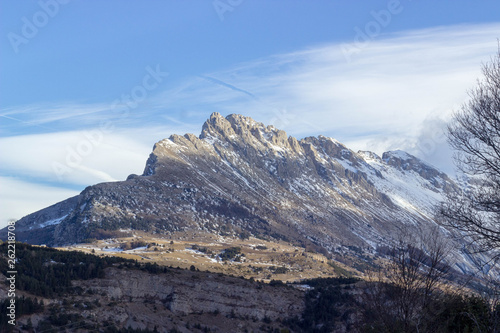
<point x="240" y="176"/>
<point x="407" y="162"/>
<point x="216" y="126"/>
<point x="399" y="158"/>
<point x="369" y="155"/>
<point x="238" y="129"/>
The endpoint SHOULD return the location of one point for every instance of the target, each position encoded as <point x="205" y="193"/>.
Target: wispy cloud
<point x="107" y="158"/>
<point x="382" y="97"/>
<point x="51" y="117"/>
<point x="23" y="197"/>
<point x="398" y="92"/>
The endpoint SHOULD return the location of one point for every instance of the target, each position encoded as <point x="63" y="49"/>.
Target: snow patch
<point x="112" y="249"/>
<point x="52" y="222"/>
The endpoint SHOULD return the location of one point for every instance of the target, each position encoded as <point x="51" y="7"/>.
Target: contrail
<point x="227" y="85"/>
<point x="25" y="122"/>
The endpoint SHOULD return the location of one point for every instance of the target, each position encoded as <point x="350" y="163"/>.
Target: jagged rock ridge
<point x="240" y="176"/>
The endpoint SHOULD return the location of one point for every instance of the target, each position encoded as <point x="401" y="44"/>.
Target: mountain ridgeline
<point x="240" y="178"/>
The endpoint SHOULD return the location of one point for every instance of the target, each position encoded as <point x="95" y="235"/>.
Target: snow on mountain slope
<point x="405" y="186"/>
<point x="240" y="176"/>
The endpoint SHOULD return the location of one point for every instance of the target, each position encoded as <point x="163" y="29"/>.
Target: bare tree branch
<point x="475" y="135"/>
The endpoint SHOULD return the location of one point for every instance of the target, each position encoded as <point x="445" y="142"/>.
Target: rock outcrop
<point x="183" y="293"/>
<point x="242" y="176"/>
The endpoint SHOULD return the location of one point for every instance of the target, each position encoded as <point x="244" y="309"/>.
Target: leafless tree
<point x="416" y="268"/>
<point x="474" y="134"/>
<point x="411" y="280"/>
<point x="491" y="295"/>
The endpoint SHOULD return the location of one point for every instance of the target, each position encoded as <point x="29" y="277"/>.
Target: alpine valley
<point x="243" y="229"/>
<point x="240" y="179"/>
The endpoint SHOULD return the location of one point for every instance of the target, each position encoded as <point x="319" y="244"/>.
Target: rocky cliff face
<point x="242" y="176"/>
<point x="174" y="301"/>
<point x="183" y="293"/>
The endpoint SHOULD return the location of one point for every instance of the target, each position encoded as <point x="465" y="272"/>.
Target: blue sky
<point x="87" y="87"/>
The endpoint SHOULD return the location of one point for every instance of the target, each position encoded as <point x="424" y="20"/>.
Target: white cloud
<point x="383" y="97"/>
<point x="44" y="158"/>
<point x="19" y="198"/>
<point x="77" y="157"/>
<point x="398" y="92"/>
<point x="50" y="117"/>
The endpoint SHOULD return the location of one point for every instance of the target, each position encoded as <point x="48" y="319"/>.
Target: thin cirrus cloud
<point x="50" y="166"/>
<point x="24" y="197"/>
<point x="397" y="92"/>
<point x="40" y="155"/>
<point x="379" y="100"/>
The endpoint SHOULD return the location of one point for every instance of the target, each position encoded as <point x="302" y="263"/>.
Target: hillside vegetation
<point x="71" y="291"/>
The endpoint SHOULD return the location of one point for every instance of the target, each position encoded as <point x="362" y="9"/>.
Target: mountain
<point x="240" y="177"/>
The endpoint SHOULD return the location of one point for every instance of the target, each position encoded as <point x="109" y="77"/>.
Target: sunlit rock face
<point x="240" y="176"/>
